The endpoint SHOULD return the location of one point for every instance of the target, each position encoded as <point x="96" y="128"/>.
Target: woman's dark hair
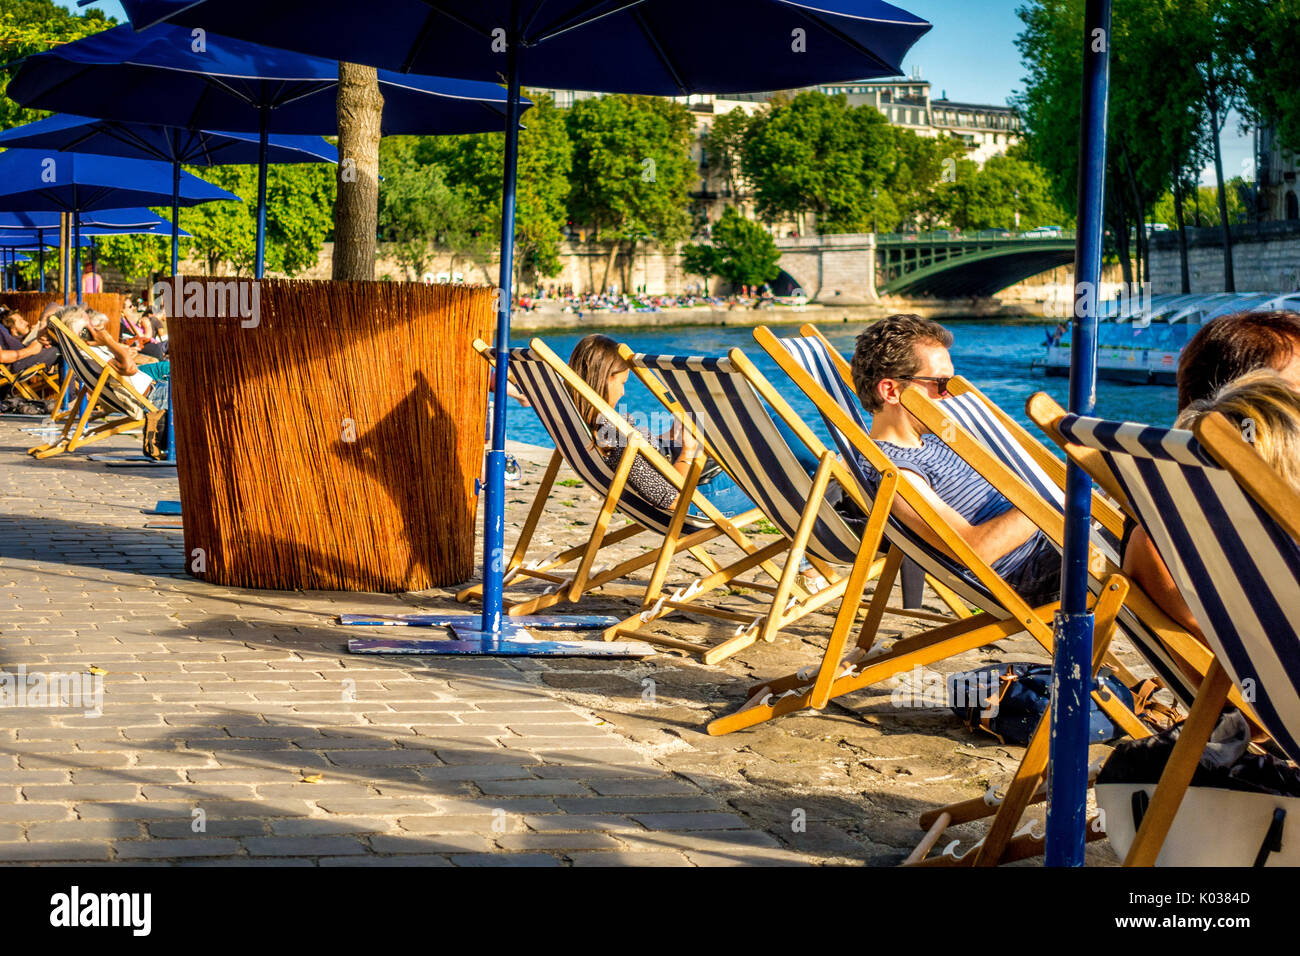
<point x="887" y="349"/>
<point x="1232" y="345"/>
<point x="595" y="358"/>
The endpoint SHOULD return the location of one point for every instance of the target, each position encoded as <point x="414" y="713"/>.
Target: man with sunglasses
<point x="907" y="350"/>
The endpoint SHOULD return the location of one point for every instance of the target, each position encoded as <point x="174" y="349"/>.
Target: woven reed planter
<point x="32" y="304"/>
<point x="334" y="444"/>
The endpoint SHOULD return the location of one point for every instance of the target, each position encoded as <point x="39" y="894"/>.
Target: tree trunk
<point x="356" y="211"/>
<point x="609" y="265"/>
<point x="1184" y="268"/>
<point x="1229" y="278"/>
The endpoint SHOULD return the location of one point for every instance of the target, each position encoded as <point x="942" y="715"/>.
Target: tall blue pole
<point x="76" y="243"/>
<point x="260" y="264"/>
<point x="1067" y="780"/>
<point x="176" y="215"/>
<point x="494" y="521"/>
<point x="40" y="255"/>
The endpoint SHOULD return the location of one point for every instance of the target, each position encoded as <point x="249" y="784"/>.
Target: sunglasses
<point x="940" y="382"/>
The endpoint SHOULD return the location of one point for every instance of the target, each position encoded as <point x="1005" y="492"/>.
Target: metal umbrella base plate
<point x="513" y="640"/>
<point x="133" y="461"/>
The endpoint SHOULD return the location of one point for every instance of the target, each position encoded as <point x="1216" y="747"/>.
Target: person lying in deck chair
<point x="903" y="350"/>
<point x="93" y="329"/>
<point x="595" y="358"/>
<point x="1222" y="351"/>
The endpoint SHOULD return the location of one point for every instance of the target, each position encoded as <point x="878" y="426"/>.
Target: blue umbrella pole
<point x="260" y="263"/>
<point x="40" y="255"/>
<point x="1072" y="660"/>
<point x="176" y="217"/>
<point x="490" y="633"/>
<point x="494" y="515"/>
<point x="76" y="243"/>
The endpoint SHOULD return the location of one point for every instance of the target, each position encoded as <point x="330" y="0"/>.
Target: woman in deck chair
<point x="1222" y="351"/>
<point x="595" y="358"/>
<point x="906" y="349"/>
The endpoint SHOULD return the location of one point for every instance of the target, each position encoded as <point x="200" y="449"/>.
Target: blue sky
<point x="970" y="54"/>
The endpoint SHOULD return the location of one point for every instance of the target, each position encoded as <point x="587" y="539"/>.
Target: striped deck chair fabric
<point x="556" y="410"/>
<point x="715" y="394"/>
<point x="118" y="394"/>
<point x="1238" y="571"/>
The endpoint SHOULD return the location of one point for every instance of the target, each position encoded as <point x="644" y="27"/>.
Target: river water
<point x="995" y="355"/>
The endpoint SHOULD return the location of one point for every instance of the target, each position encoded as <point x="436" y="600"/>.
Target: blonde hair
<point x="1267" y="410"/>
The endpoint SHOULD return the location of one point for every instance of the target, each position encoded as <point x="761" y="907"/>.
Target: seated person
<point x="905" y="350"/>
<point x="92" y="328"/>
<point x="596" y="360"/>
<point x="140" y="331"/>
<point x="1222" y="352"/>
<point x="14" y="329"/>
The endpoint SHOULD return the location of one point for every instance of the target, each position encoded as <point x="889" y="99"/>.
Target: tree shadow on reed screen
<point x="435" y="512"/>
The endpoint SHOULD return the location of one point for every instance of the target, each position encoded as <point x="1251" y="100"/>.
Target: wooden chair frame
<point x="22" y="382"/>
<point x="570" y="587"/>
<point x="76" y="431"/>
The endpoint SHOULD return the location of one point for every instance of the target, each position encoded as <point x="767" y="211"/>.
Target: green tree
<point x="724" y="145"/>
<point x="419" y="211"/>
<point x="632" y="172"/>
<point x="1262" y="37"/>
<point x="989" y="197"/>
<point x="1156" y="107"/>
<point x="743" y="252"/>
<point x="299" y="214"/>
<point x="34" y="26"/>
<point x="474" y="165"/>
<point x="816" y="154"/>
<point x="920" y="181"/>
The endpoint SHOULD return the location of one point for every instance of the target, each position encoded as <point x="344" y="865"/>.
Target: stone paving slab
<point x="237" y="730"/>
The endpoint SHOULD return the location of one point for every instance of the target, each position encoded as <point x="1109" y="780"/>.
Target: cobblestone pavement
<point x="236" y="729"/>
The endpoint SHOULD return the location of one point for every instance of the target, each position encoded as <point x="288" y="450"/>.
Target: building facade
<point x="1276" y="178"/>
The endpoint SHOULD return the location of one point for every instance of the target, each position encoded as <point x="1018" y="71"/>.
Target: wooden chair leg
<point x="603" y="517"/>
<point x="1178" y="772"/>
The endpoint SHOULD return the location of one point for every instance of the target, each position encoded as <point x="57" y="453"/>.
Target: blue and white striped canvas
<point x="553" y="403"/>
<point x="1237" y="570"/>
<point x="737" y="426"/>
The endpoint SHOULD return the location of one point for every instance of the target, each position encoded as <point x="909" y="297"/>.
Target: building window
<point x="1292" y="206"/>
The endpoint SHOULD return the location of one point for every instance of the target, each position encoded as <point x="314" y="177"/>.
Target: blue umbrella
<point x="37" y="181"/>
<point x="160" y="76"/>
<point x="170" y="144"/>
<point x="8" y="257"/>
<point x="107" y="222"/>
<point x="668" y="47"/>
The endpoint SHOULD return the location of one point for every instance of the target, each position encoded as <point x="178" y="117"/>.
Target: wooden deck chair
<point x="112" y="403"/>
<point x="545" y="380"/>
<point x="1228" y="528"/>
<point x="724" y="402"/>
<point x="34" y="383"/>
<point x="966" y="423"/>
<point x="1002" y="613"/>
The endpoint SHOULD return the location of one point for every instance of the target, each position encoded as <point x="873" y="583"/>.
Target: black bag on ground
<point x="1008" y="700"/>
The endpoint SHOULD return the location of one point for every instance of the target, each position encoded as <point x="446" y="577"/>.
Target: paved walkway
<point x="236" y="729"/>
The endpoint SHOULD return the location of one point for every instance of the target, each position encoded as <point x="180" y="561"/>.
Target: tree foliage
<point x="418" y="210"/>
<point x="473" y="167"/>
<point x="34" y="26"/>
<point x="743" y="252"/>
